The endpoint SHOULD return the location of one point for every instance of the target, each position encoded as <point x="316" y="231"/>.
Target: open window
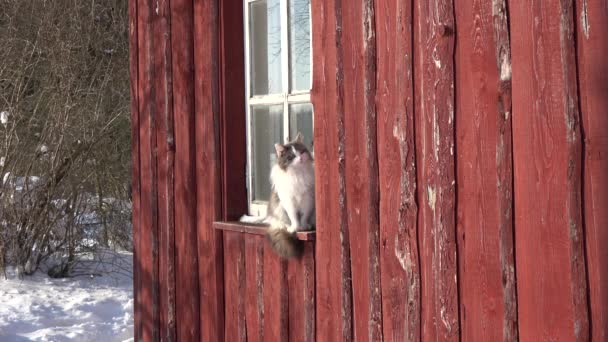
<point x="278" y="78"/>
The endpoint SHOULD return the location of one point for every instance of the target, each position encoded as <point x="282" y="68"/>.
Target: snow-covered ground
<point x="95" y="305"/>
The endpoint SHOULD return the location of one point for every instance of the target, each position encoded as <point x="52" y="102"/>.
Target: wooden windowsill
<point x="257" y="229"/>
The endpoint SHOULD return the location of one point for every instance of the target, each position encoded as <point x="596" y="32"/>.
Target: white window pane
<point x="300" y="120"/>
<point x="265" y="42"/>
<point x="267" y="130"/>
<point x="299" y="44"/>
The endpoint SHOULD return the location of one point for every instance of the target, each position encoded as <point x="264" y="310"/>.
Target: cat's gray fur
<point x="291" y="205"/>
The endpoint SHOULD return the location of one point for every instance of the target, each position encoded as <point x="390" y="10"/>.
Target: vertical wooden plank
<point x="232" y="109"/>
<point x="207" y="159"/>
<point x="254" y="269"/>
<point x="187" y="275"/>
<point x="551" y="279"/>
<point x="166" y="148"/>
<point x="484" y="172"/>
<point x="400" y="262"/>
<point x="592" y="19"/>
<point x="434" y="79"/>
<point x="135" y="168"/>
<point x="234" y="285"/>
<point x="333" y="276"/>
<point x="148" y="244"/>
<point x="359" y="54"/>
<point x="301" y="280"/>
<point x="276" y="310"/>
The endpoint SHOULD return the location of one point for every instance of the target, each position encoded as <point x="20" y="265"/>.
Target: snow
<point x="4" y="118"/>
<point x="95" y="305"/>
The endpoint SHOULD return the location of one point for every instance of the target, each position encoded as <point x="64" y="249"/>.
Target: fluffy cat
<point x="291" y="207"/>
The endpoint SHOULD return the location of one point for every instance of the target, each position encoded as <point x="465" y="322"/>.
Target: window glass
<point x="300" y="120"/>
<point x="299" y="45"/>
<point x="265" y="47"/>
<point x="267" y="129"/>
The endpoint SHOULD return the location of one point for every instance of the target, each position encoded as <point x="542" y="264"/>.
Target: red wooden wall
<point x="461" y="169"/>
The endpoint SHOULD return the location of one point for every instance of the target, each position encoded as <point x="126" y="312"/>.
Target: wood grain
<point x="592" y="25"/>
<point x="234" y="282"/>
<point x="333" y="275"/>
<point x="187" y="276"/>
<point x="165" y="146"/>
<point x="135" y="167"/>
<point x="361" y="166"/>
<point x="399" y="257"/>
<point x="301" y="301"/>
<point x="434" y="100"/>
<point x="254" y="291"/>
<point x="488" y="300"/>
<point x="233" y="134"/>
<point x="148" y="295"/>
<point x="551" y="279"/>
<point x="276" y="296"/>
<point x="207" y="161"/>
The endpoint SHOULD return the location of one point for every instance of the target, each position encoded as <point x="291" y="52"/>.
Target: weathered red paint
<point x="148" y="234"/>
<point x="333" y="276"/>
<point x="207" y="161"/>
<point x="135" y="152"/>
<point x="254" y="287"/>
<point x="484" y="169"/>
<point x="592" y="25"/>
<point x="399" y="257"/>
<point x="276" y="296"/>
<point x="551" y="280"/>
<point x="187" y="277"/>
<point x="232" y="110"/>
<point x="394" y="104"/>
<point x="301" y="301"/>
<point x="434" y="27"/>
<point x="165" y="147"/>
<point x="234" y="287"/>
<point x="361" y="166"/>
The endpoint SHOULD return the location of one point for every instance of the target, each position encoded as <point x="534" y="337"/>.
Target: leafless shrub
<point x="64" y="130"/>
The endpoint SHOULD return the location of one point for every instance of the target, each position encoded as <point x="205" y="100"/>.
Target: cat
<point x="291" y="207"/>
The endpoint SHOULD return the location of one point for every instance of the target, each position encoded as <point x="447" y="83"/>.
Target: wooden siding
<point x="461" y="175"/>
<point x="484" y="155"/>
<point x="591" y="21"/>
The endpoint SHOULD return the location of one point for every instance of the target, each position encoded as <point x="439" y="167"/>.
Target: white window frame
<point x="286" y="97"/>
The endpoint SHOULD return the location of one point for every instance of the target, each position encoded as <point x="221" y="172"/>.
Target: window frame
<point x="285" y="98"/>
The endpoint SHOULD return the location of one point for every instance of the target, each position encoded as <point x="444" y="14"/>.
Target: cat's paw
<point x="293" y="228"/>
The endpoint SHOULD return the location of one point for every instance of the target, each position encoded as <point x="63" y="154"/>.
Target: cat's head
<point x="293" y="153"/>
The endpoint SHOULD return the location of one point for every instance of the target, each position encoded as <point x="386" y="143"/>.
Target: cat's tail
<point x="284" y="243"/>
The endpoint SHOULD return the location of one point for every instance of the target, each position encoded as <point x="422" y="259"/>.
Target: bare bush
<point x="64" y="130"/>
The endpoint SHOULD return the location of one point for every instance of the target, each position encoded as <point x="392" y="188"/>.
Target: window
<point x="278" y="81"/>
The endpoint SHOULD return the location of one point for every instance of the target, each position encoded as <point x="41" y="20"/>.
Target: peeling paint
<point x="431" y="193"/>
<point x="436" y="139"/>
<point x="437" y="63"/>
<point x="505" y="67"/>
<point x="585" y="19"/>
<point x="436" y="59"/>
<point x="445" y="320"/>
<point x="402" y="257"/>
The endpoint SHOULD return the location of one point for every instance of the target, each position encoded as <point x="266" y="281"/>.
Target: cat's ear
<point x="279" y="148"/>
<point x="299" y="138"/>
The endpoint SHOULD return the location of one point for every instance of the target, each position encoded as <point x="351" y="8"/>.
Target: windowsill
<point x="257" y="229"/>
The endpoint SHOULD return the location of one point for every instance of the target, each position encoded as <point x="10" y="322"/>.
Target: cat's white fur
<point x="296" y="190"/>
